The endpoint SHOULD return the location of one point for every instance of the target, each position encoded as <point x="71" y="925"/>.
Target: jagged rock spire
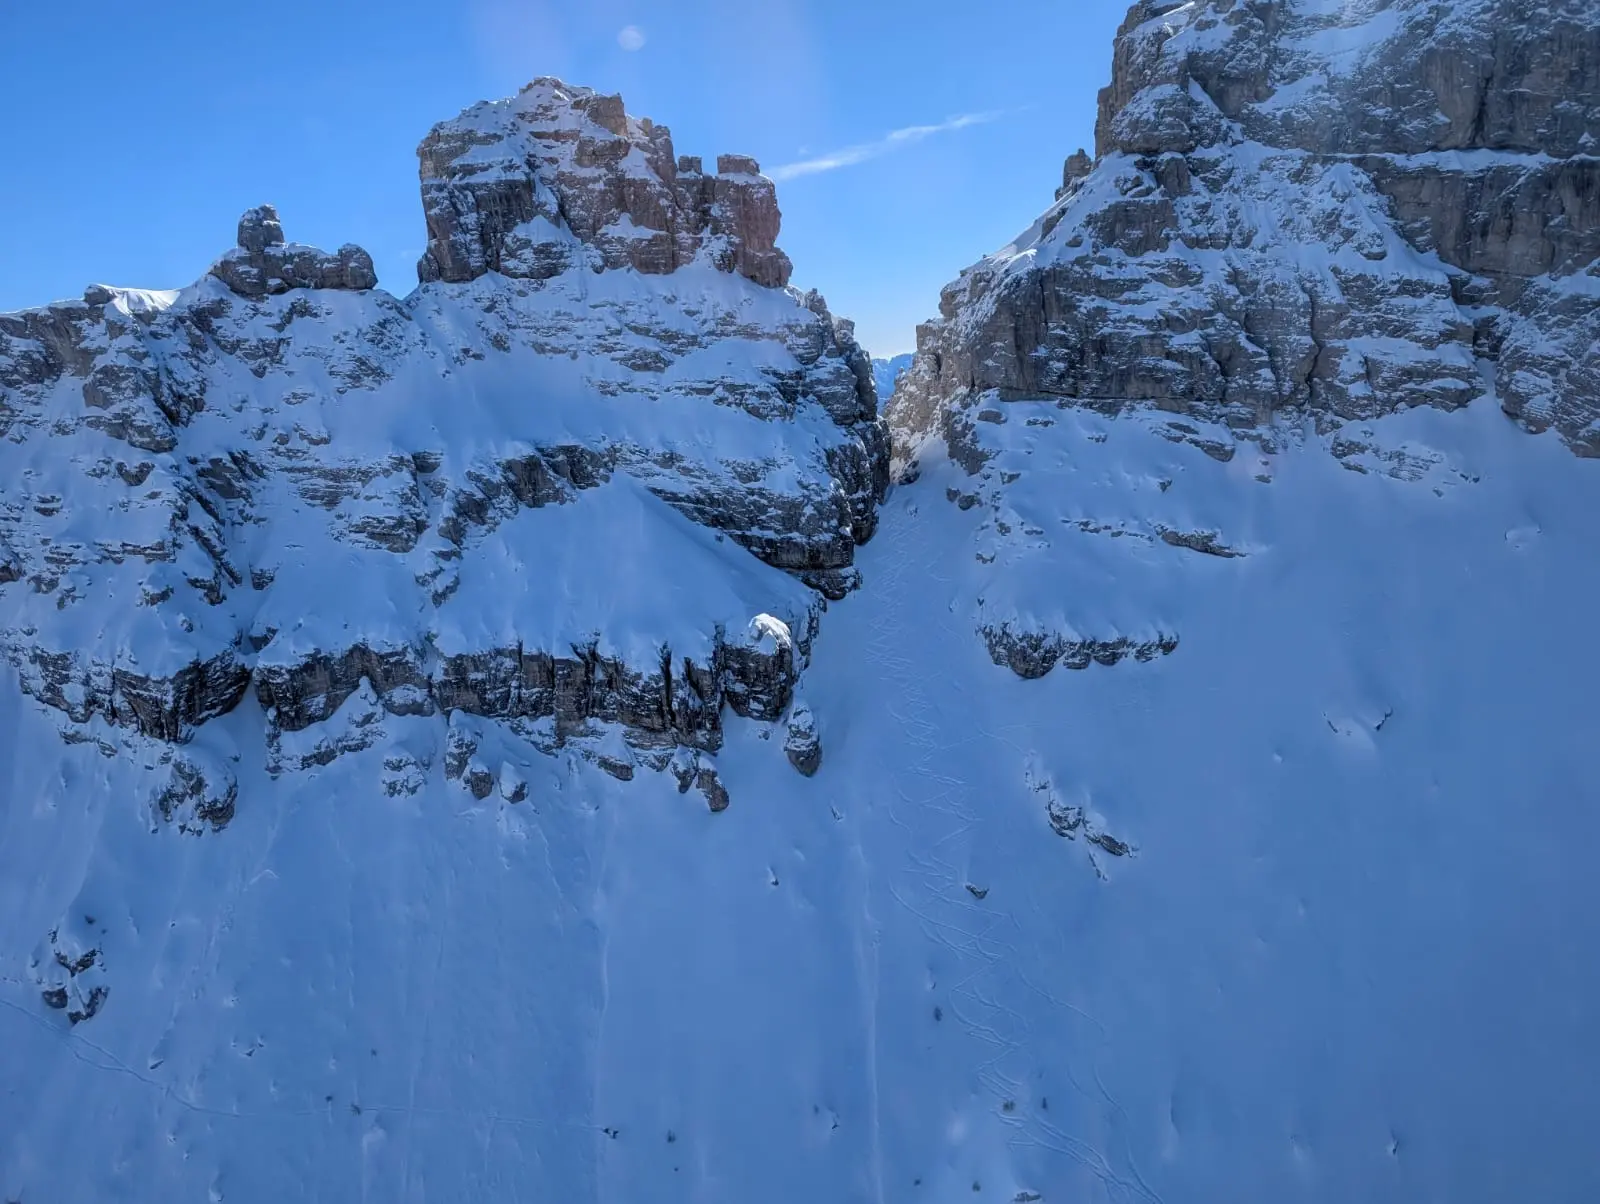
<point x="259" y="228"/>
<point x="263" y="264"/>
<point x="558" y="176"/>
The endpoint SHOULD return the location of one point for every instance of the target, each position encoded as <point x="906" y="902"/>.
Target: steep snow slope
<point x="1345" y="954"/>
<point x="393" y="792"/>
<point x="1323" y="251"/>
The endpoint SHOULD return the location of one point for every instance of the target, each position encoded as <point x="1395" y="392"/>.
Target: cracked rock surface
<point x="1297" y="207"/>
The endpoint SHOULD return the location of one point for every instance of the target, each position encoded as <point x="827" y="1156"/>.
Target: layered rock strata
<point x="615" y="494"/>
<point x="1300" y="207"/>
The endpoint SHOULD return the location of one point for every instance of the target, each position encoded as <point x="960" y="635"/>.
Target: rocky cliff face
<point x="1300" y="219"/>
<point x="1299" y="207"/>
<point x="558" y="177"/>
<point x="597" y="474"/>
<point x="1194" y="803"/>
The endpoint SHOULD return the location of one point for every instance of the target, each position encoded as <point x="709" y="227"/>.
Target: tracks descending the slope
<point x="958" y="871"/>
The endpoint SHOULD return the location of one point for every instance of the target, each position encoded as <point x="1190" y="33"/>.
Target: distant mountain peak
<point x="885" y="372"/>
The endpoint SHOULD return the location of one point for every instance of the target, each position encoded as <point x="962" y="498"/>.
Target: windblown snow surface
<point x="1349" y="954"/>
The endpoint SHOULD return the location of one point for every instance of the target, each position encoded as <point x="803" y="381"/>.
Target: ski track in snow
<point x="1004" y="1029"/>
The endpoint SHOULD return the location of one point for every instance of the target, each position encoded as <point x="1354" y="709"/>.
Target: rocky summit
<point x="514" y="742"/>
<point x="282" y="485"/>
<point x="1296" y="207"/>
<point x="559" y="176"/>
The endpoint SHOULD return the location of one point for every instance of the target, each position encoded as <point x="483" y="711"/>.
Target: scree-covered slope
<point x="1195" y="793"/>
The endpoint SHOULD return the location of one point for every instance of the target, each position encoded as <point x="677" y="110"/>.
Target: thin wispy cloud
<point x="849" y="156"/>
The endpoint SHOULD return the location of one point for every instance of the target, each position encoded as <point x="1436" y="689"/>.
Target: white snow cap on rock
<point x="765" y="628"/>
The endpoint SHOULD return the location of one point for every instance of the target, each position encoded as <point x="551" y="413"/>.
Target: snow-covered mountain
<point x="886" y="372"/>
<point x="613" y="479"/>
<point x="1341" y="208"/>
<point x="1194" y="784"/>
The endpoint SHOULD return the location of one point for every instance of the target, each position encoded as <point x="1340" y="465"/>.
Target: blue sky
<point x="918" y="136"/>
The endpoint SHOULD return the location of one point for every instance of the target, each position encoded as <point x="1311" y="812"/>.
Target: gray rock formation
<point x="1031" y="654"/>
<point x="564" y="502"/>
<point x="1077" y="167"/>
<point x="264" y="265"/>
<point x="801" y="743"/>
<point x="1341" y="209"/>
<point x="673" y="701"/>
<point x="70" y="970"/>
<point x="557" y="177"/>
<point x="198" y="791"/>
